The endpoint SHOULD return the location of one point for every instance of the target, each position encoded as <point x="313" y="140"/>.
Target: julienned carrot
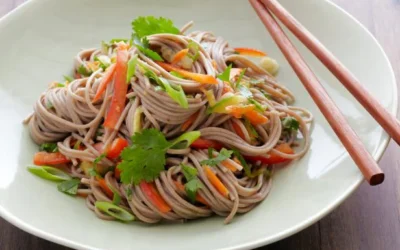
<point x="199" y="198"/>
<point x="215" y="181"/>
<point x="205" y="79"/>
<point x="272" y="158"/>
<point x="155" y="198"/>
<point x="250" y="52"/>
<point x="238" y="130"/>
<point x="229" y="165"/>
<point x="105" y="188"/>
<point x="189" y="121"/>
<point x="120" y="89"/>
<point x="239" y="110"/>
<point x="104" y="82"/>
<point x="256" y="118"/>
<point x="179" y="56"/>
<point x="45" y="158"/>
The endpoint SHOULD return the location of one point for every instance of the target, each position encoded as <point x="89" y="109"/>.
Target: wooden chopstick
<point x="369" y="168"/>
<point x="388" y="121"/>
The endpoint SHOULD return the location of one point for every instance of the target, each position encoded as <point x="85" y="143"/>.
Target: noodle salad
<point x="167" y="126"/>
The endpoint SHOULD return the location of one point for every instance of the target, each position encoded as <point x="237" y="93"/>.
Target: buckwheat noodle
<point x="73" y="117"/>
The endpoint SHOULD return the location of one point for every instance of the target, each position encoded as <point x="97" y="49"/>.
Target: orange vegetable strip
<point x="250" y="52"/>
<point x="179" y="56"/>
<point x="189" y="121"/>
<point x="204" y="79"/>
<point x="104" y="82"/>
<point x="256" y="118"/>
<point x="120" y="89"/>
<point x="155" y="198"/>
<point x="216" y="182"/>
<point x="238" y="111"/>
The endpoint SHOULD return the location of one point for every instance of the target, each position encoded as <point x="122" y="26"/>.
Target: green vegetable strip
<point x="114" y="211"/>
<point x="49" y="173"/>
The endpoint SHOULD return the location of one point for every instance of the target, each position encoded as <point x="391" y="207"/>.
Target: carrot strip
<point x="239" y="110"/>
<point x="214" y="64"/>
<point x="117" y="173"/>
<point x="105" y="187"/>
<point x="189" y="121"/>
<point x="104" y="82"/>
<point x="229" y="165"/>
<point x="120" y="89"/>
<point x="256" y="118"/>
<point x="199" y="198"/>
<point x="238" y="130"/>
<point x="179" y="56"/>
<point x="204" y="79"/>
<point x="250" y="52"/>
<point x="155" y="198"/>
<point x="215" y="181"/>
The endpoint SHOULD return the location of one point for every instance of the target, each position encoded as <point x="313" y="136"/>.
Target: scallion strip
<point x="114" y="211"/>
<point x="49" y="173"/>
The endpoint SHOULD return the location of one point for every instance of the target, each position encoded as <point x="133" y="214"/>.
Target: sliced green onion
<point x="225" y="76"/>
<point x="258" y="105"/>
<point x="84" y="71"/>
<point x="137" y="122"/>
<point x="49" y="173"/>
<point x="240" y="77"/>
<point x="178" y="95"/>
<point x="176" y="74"/>
<point x="69" y="187"/>
<point x="131" y="68"/>
<point x="193" y="47"/>
<point x="114" y="211"/>
<point x="104" y="60"/>
<point x="185" y="140"/>
<point x="68" y="78"/>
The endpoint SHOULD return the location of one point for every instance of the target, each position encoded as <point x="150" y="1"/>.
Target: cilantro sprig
<point x="222" y="156"/>
<point x="146" y="158"/>
<point x="193" y="184"/>
<point x="149" y="25"/>
<point x="290" y="124"/>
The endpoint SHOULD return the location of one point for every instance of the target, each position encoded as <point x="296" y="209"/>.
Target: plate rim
<point x="17" y="222"/>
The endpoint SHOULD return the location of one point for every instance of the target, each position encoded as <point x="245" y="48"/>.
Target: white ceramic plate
<point x="37" y="44"/>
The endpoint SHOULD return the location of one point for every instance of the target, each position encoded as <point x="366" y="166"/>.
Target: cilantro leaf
<point x="224" y="76"/>
<point x="69" y="187"/>
<point x="290" y="123"/>
<point x="192" y="187"/>
<point x="192" y="182"/>
<point x="149" y="25"/>
<point x="223" y="155"/>
<point x="49" y="147"/>
<point x="150" y="138"/>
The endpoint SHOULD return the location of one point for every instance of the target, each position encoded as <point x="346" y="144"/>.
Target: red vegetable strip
<point x="205" y="144"/>
<point x="272" y="158"/>
<point x="120" y="89"/>
<point x="44" y="158"/>
<point x="104" y="82"/>
<point x="105" y="187"/>
<point x="250" y="52"/>
<point x="116" y="148"/>
<point x="155" y="198"/>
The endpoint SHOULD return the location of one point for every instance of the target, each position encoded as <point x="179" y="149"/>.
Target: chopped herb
<point x="93" y="172"/>
<point x="145" y="159"/>
<point x="222" y="156"/>
<point x="60" y="85"/>
<point x="250" y="128"/>
<point x="129" y="193"/>
<point x="99" y="158"/>
<point x="50" y="147"/>
<point x="194" y="48"/>
<point x="290" y="124"/>
<point x="68" y="78"/>
<point x="210" y="152"/>
<point x="69" y="187"/>
<point x="193" y="184"/>
<point x="104" y="61"/>
<point x="149" y="25"/>
<point x="84" y="71"/>
<point x="224" y="76"/>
